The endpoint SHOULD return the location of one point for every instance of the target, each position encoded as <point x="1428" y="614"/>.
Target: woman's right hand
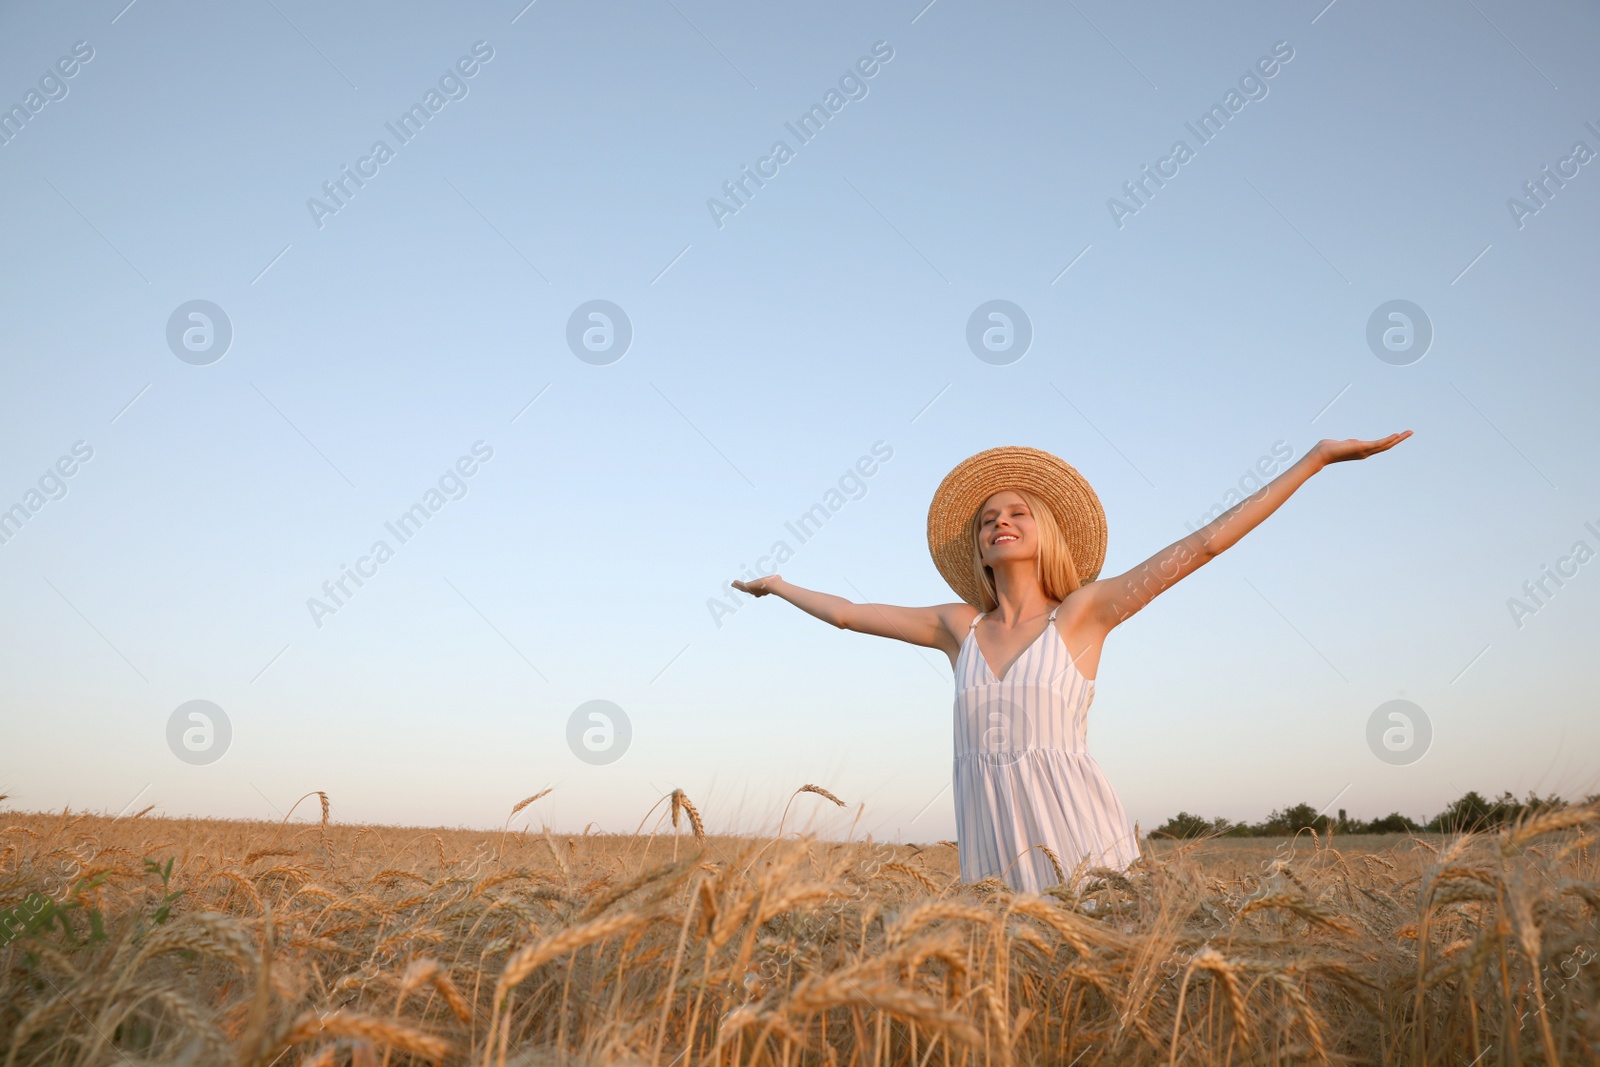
<point x="759" y="587"/>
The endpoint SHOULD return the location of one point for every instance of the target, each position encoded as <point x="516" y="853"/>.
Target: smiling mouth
<point x="1005" y="537"/>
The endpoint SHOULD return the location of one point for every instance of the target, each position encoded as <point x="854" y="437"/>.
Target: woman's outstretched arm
<point x="1114" y="600"/>
<point x="929" y="627"/>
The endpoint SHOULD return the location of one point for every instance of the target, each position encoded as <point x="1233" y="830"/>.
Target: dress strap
<point x="1053" y="612"/>
<point x="975" y="619"/>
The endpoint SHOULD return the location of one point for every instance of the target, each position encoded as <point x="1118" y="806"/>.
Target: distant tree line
<point x="1470" y="812"/>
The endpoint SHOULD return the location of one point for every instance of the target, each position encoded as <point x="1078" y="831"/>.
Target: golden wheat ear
<point x="821" y="792"/>
<point x="680" y="799"/>
<point x="529" y="800"/>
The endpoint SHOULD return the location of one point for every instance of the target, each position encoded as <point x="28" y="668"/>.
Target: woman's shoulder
<point x="957" y="617"/>
<point x="1079" y="601"/>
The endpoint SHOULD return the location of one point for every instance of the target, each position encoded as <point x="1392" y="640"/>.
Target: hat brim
<point x="1071" y="500"/>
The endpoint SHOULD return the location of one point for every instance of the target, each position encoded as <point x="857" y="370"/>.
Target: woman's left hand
<point x="1337" y="451"/>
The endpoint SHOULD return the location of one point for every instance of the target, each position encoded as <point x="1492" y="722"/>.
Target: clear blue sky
<point x="374" y="345"/>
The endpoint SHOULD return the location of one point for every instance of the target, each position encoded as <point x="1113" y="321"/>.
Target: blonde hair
<point x="1053" y="564"/>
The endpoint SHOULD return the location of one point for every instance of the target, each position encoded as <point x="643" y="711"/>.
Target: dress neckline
<point x="1072" y="661"/>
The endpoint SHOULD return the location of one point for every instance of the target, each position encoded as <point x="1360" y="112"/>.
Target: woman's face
<point x="1005" y="529"/>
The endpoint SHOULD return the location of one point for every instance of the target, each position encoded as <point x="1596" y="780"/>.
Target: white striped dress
<point x="1023" y="774"/>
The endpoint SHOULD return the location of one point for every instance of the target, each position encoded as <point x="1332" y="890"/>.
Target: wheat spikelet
<point x="1450" y="871"/>
<point x="997" y="1015"/>
<point x="392" y="874"/>
<point x="243" y="883"/>
<point x="483" y="885"/>
<point x="673" y="871"/>
<point x="34" y="1021"/>
<point x="991" y="886"/>
<point x="1358" y="985"/>
<point x="1027" y="935"/>
<point x="290" y="873"/>
<point x="1077" y="931"/>
<point x="1213" y="961"/>
<point x="728" y="921"/>
<point x="681" y="799"/>
<point x="551" y="892"/>
<point x="311" y="1025"/>
<point x="432" y="972"/>
<point x="549" y="841"/>
<point x="528" y="800"/>
<point x="819" y="994"/>
<point x="322" y="944"/>
<point x="261" y="852"/>
<point x="1303" y="908"/>
<point x="1579" y="844"/>
<point x="790" y="898"/>
<point x="708" y="908"/>
<point x="1055" y="862"/>
<point x="531" y="957"/>
<point x="208" y="932"/>
<point x="1111" y="877"/>
<point x="1525" y="928"/>
<point x="189" y="1015"/>
<point x="821" y="792"/>
<point x="357" y="980"/>
<point x="731" y="913"/>
<point x="1454" y="964"/>
<point x="395" y="910"/>
<point x="1589" y="894"/>
<point x="919" y="876"/>
<point x="407" y="937"/>
<point x="947" y="947"/>
<point x="1456" y="892"/>
<point x="1548" y="822"/>
<point x="735" y="1023"/>
<point x="933" y="911"/>
<point x="1308" y="1015"/>
<point x="772" y="1023"/>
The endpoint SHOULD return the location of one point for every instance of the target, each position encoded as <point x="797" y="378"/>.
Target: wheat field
<point x="142" y="940"/>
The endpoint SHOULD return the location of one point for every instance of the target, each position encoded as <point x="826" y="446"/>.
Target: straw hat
<point x="1071" y="500"/>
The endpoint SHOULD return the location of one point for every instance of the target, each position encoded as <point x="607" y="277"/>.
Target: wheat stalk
<point x="785" y="950"/>
<point x="432" y="972"/>
<point x="817" y="789"/>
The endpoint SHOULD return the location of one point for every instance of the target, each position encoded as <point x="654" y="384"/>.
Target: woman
<point x="1020" y="536"/>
